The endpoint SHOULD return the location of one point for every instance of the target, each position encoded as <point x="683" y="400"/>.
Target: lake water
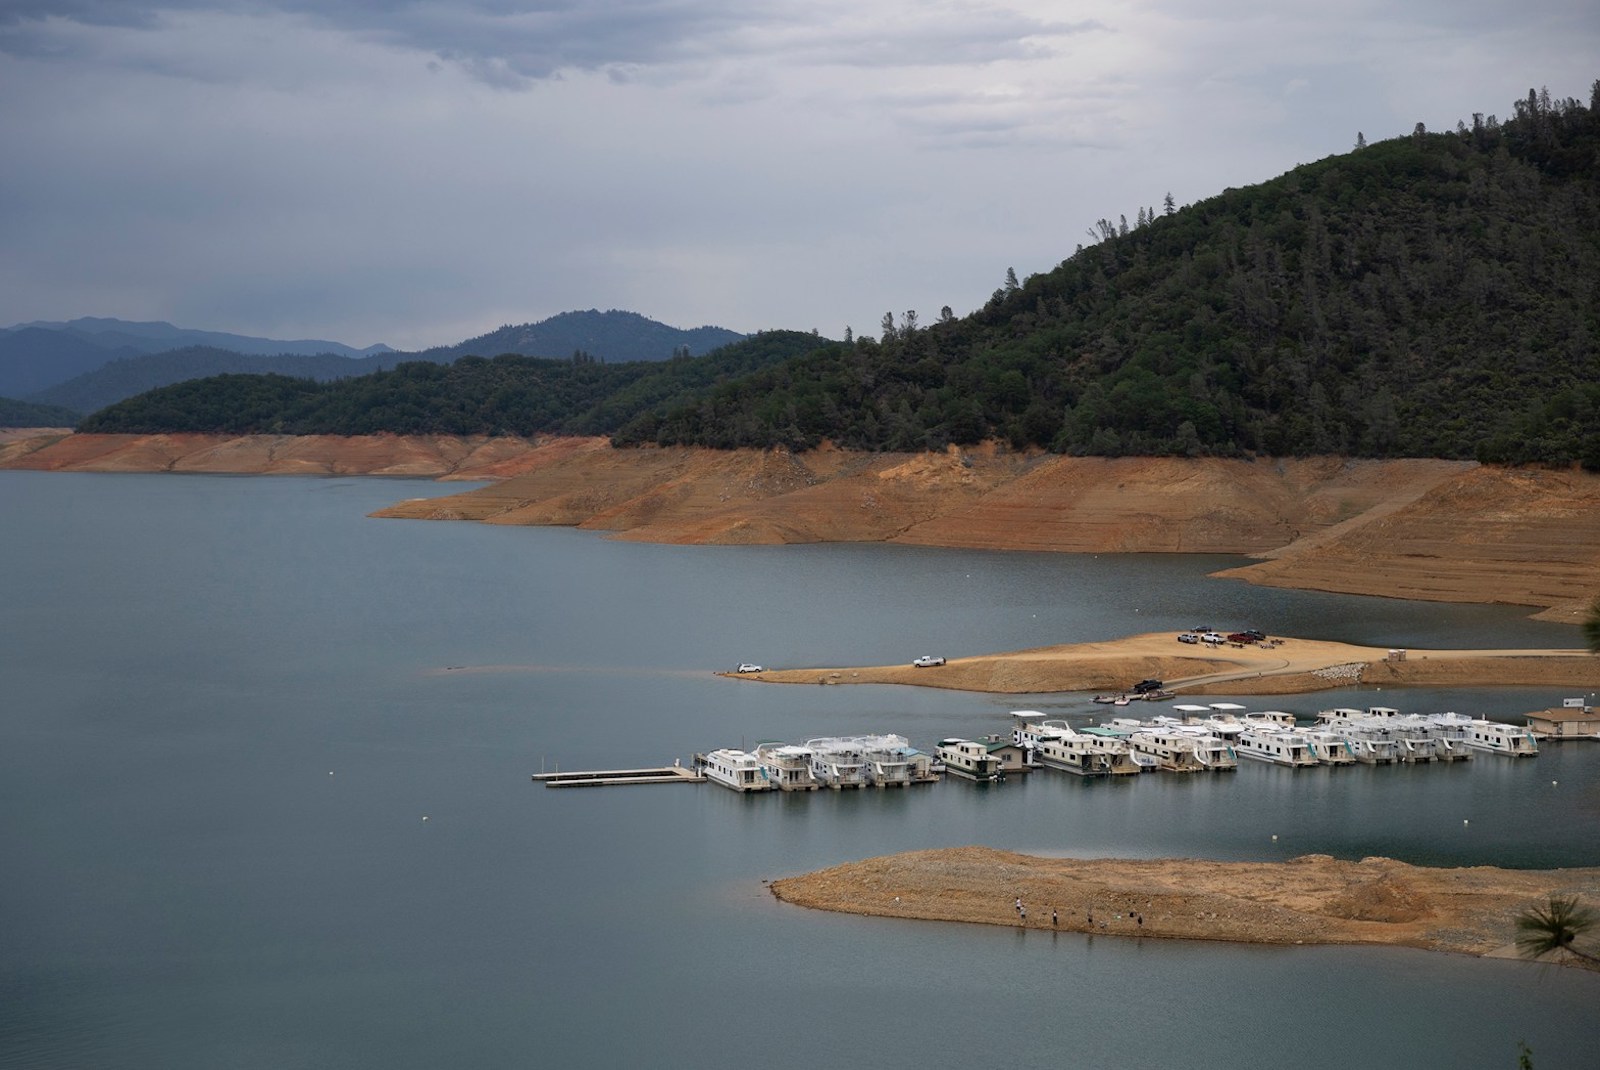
<point x="226" y="705"/>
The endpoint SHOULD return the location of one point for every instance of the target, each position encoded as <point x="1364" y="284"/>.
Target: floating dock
<point x="597" y="778"/>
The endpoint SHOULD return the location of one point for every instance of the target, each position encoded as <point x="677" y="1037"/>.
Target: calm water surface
<point x="227" y="704"/>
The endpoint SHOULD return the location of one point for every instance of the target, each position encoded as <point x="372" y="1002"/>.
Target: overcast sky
<point x="420" y="171"/>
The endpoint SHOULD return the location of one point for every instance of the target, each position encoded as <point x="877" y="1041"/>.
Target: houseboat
<point x="1330" y="747"/>
<point x="1276" y="718"/>
<point x="1278" y="746"/>
<point x="1215" y="751"/>
<point x="736" y="769"/>
<point x="1173" y="752"/>
<point x="968" y="759"/>
<point x="837" y="762"/>
<point x="1497" y="737"/>
<point x="1453" y="731"/>
<point x="1088" y="755"/>
<point x="787" y="766"/>
<point x="887" y="760"/>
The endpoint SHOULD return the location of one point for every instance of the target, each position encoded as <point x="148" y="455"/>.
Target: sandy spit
<point x="1314" y="899"/>
<point x="1290" y="666"/>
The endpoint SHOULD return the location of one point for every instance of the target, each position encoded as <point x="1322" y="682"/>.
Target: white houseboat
<point x="1278" y="746"/>
<point x="1453" y="732"/>
<point x="1497" y="737"/>
<point x="787" y="766"/>
<point x="1088" y="755"/>
<point x="887" y="760"/>
<point x="1330" y="747"/>
<point x="1173" y="752"/>
<point x="837" y="762"/>
<point x="736" y="769"/>
<point x="968" y="759"/>
<point x="1217" y="752"/>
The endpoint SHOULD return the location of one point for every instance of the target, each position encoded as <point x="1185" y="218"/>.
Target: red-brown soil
<point x="1441" y="530"/>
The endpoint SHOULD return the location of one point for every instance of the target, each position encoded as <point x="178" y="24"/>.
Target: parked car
<point x="750" y="667"/>
<point x="1188" y="637"/>
<point x="1144" y="687"/>
<point x="1255" y="633"/>
<point x="927" y="661"/>
<point x="1241" y="638"/>
<point x="1214" y="638"/>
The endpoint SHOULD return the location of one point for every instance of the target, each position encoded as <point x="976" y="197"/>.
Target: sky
<point x="418" y="172"/>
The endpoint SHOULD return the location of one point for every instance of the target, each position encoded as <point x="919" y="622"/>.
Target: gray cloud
<point x="354" y="170"/>
<point x="510" y="42"/>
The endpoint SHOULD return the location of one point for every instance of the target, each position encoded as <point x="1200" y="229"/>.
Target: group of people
<point x="1055" y="919"/>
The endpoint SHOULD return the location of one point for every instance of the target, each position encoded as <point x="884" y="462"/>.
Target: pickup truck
<point x="927" y="661"/>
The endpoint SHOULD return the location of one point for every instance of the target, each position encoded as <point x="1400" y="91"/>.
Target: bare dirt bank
<point x="1314" y="899"/>
<point x="428" y="456"/>
<point x="1438" y="530"/>
<point x="1290" y="667"/>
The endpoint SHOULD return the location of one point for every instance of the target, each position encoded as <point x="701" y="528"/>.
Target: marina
<point x="1199" y="739"/>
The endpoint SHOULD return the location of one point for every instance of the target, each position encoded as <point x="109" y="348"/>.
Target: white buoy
<point x="1274" y="837"/>
<point x="424" y="817"/>
<point x="1552" y="783"/>
<point x="1464" y="821"/>
<point x="330" y="772"/>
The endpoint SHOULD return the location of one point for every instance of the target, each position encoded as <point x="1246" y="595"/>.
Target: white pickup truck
<point x="927" y="661"/>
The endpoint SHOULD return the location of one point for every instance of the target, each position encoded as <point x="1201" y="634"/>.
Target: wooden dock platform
<point x="597" y="778"/>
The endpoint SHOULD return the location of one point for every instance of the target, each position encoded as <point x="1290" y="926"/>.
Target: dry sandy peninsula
<point x="1291" y="666"/>
<point x="1314" y="899"/>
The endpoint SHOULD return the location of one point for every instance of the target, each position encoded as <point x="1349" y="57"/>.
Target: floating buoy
<point x="1274" y="837"/>
<point x="424" y="817"/>
<point x="1552" y="783"/>
<point x="1464" y="821"/>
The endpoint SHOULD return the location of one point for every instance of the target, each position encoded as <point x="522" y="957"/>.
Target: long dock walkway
<point x="597" y="778"/>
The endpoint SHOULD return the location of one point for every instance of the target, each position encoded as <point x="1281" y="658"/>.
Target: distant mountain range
<point x="88" y="363"/>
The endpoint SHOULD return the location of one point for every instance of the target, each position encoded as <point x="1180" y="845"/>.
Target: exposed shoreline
<point x="1447" y="531"/>
<point x="1293" y="666"/>
<point x="1314" y="899"/>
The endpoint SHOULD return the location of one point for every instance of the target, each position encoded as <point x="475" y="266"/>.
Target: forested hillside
<point x="14" y="413"/>
<point x="508" y="394"/>
<point x="1430" y="295"/>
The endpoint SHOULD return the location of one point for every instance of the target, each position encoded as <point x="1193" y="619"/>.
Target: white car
<point x="750" y="667"/>
<point x="927" y="661"/>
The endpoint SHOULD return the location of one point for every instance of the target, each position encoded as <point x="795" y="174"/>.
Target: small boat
<point x="736" y="769"/>
<point x="965" y="758"/>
